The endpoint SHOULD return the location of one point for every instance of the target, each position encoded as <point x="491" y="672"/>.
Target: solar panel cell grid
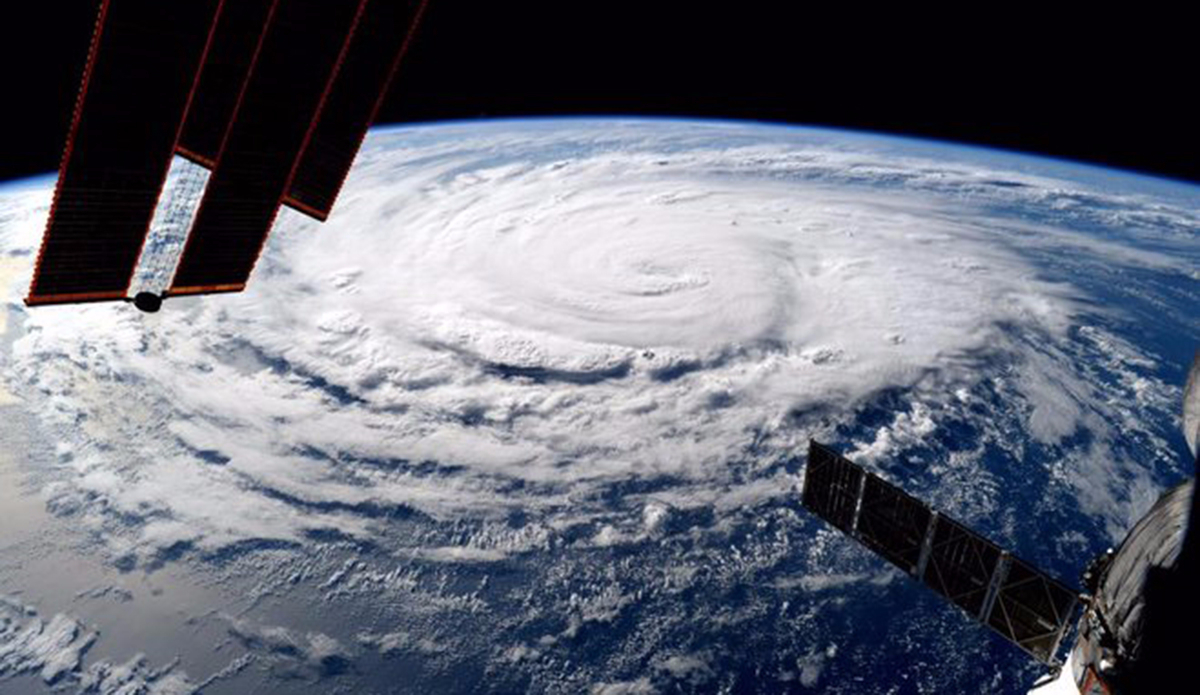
<point x="1031" y="609"/>
<point x="371" y="59"/>
<point x="127" y="120"/>
<point x="235" y="40"/>
<point x="892" y="523"/>
<point x="283" y="94"/>
<point x="961" y="565"/>
<point x="1021" y="603"/>
<point x="831" y="486"/>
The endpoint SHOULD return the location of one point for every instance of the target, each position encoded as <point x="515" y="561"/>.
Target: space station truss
<point x="1021" y="603"/>
<point x="273" y="97"/>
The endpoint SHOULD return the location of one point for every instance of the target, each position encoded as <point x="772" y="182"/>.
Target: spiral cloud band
<point x="497" y="320"/>
<point x="529" y="413"/>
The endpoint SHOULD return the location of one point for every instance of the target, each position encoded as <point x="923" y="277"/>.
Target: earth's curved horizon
<point x="529" y="414"/>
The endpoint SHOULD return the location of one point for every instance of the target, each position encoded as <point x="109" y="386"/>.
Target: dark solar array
<point x="274" y="96"/>
<point x="1031" y="608"/>
<point x="831" y="485"/>
<point x="371" y="60"/>
<point x="892" y="523"/>
<point x="283" y="95"/>
<point x="135" y="90"/>
<point x="235" y="41"/>
<point x="1007" y="594"/>
<point x="961" y="564"/>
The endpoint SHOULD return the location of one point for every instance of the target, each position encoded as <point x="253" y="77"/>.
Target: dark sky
<point x="1110" y="88"/>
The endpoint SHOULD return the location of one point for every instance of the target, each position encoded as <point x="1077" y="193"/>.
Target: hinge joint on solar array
<point x="926" y="547"/>
<point x="999" y="572"/>
<point x="858" y="502"/>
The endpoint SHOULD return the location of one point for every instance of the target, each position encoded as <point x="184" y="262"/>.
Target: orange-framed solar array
<point x="136" y="87"/>
<point x="274" y="97"/>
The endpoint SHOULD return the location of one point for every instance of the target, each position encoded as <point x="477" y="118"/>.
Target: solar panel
<point x="123" y="133"/>
<point x="1032" y="610"/>
<point x="892" y="523"/>
<point x="300" y="52"/>
<point x="961" y="565"/>
<point x="354" y="98"/>
<point x="831" y="486"/>
<point x="235" y="41"/>
<point x="1018" y="601"/>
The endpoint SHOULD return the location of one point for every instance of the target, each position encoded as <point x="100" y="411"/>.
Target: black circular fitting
<point x="147" y="302"/>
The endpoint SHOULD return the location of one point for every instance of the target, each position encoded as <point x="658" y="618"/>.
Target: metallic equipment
<point x="1139" y="600"/>
<point x="272" y="97"/>
<point x="1024" y="605"/>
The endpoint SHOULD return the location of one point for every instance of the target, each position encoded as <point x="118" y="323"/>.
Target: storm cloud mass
<point x="553" y="380"/>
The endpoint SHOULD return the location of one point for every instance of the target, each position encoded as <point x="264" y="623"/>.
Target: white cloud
<point x="399" y="642"/>
<point x="812" y="665"/>
<point x="51" y="649"/>
<point x="641" y="686"/>
<point x="486" y="327"/>
<point x="547" y="381"/>
<point x="289" y="653"/>
<point x="54" y="650"/>
<point x="688" y="667"/>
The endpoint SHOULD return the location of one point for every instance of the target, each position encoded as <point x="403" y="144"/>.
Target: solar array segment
<point x="1021" y="603"/>
<point x="236" y="37"/>
<point x="354" y="98"/>
<point x="123" y="133"/>
<point x="831" y="486"/>
<point x="299" y="55"/>
<point x="893" y="523"/>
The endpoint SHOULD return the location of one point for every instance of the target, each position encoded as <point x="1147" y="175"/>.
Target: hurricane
<point x="529" y="411"/>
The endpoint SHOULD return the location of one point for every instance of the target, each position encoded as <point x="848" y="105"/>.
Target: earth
<point x="530" y="414"/>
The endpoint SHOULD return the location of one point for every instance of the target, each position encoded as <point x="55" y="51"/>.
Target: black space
<point x="1111" y="87"/>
